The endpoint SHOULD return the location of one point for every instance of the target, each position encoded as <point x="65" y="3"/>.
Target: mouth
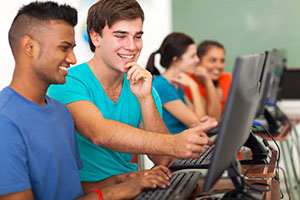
<point x="127" y="57"/>
<point x="63" y="68"/>
<point x="216" y="71"/>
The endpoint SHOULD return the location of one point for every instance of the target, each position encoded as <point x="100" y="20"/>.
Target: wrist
<point x="98" y="191"/>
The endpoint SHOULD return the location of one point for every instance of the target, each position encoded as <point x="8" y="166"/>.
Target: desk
<point x="265" y="171"/>
<point x="224" y="185"/>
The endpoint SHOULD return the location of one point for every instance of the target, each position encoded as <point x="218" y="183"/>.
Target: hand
<point x="204" y="119"/>
<point x="201" y="75"/>
<point x="156" y="177"/>
<point x="158" y="170"/>
<point x="183" y="79"/>
<point x="140" y="80"/>
<point x="190" y="143"/>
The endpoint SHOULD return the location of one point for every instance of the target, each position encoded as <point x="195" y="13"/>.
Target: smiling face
<point x="189" y="60"/>
<point x="54" y="52"/>
<point x="214" y="62"/>
<point x="120" y="44"/>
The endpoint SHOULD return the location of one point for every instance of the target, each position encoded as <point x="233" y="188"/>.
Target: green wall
<point x="242" y="26"/>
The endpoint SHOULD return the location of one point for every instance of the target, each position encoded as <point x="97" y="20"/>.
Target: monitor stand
<point x="273" y="126"/>
<point x="240" y="191"/>
<point x="259" y="153"/>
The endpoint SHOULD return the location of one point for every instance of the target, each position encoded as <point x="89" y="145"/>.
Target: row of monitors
<point x="255" y="80"/>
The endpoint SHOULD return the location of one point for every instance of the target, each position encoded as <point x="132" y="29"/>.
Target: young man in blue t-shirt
<point x="112" y="102"/>
<point x="38" y="149"/>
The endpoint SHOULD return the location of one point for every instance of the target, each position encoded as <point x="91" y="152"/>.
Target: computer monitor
<point x="274" y="66"/>
<point x="238" y="116"/>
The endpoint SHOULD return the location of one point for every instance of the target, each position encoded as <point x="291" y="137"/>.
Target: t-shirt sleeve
<point x="157" y="101"/>
<point x="73" y="90"/>
<point x="166" y="92"/>
<point x="14" y="169"/>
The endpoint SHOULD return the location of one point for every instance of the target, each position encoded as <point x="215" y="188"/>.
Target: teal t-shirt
<point x="167" y="92"/>
<point x="81" y="85"/>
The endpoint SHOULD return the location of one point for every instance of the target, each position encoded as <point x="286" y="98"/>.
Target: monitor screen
<point x="238" y="116"/>
<point x="274" y="67"/>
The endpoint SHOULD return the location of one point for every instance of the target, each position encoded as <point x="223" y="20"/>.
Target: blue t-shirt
<point x="38" y="149"/>
<point x="82" y="85"/>
<point x="167" y="92"/>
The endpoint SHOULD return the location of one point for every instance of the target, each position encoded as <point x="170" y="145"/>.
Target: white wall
<point x="156" y="26"/>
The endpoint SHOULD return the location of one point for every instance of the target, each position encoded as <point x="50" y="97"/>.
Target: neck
<point x="171" y="72"/>
<point x="33" y="90"/>
<point x="107" y="76"/>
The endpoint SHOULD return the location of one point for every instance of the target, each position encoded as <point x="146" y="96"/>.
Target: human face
<point x="121" y="44"/>
<point x="55" y="52"/>
<point x="189" y="60"/>
<point x="214" y="62"/>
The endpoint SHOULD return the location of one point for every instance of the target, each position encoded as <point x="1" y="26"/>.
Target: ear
<point x="175" y="59"/>
<point x="28" y="45"/>
<point x="95" y="38"/>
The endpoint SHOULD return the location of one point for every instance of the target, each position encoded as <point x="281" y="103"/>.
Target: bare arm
<point x="106" y="133"/>
<point x="213" y="106"/>
<point x="24" y="195"/>
<point x="127" y="186"/>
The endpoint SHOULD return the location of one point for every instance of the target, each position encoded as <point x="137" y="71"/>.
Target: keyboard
<point x="181" y="188"/>
<point x="196" y="163"/>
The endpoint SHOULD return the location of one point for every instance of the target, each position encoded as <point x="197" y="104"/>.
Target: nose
<point x="71" y="58"/>
<point x="131" y="44"/>
<point x="196" y="60"/>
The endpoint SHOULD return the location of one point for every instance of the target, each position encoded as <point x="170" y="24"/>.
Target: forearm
<point x="152" y="121"/>
<point x="89" y="186"/>
<point x="214" y="108"/>
<point x="121" y="137"/>
<point x="198" y="106"/>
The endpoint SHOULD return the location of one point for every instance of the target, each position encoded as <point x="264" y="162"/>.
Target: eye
<point x="120" y="36"/>
<point x="64" y="48"/>
<point x="138" y="37"/>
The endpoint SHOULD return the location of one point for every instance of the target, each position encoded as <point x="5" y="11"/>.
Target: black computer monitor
<point x="238" y="116"/>
<point x="274" y="67"/>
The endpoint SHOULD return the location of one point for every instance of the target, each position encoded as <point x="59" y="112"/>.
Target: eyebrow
<point x="125" y="32"/>
<point x="69" y="44"/>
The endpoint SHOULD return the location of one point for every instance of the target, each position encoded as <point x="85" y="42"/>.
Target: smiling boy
<point x="112" y="101"/>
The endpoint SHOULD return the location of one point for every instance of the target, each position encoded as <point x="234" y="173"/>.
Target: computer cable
<point x="251" y="185"/>
<point x="267" y="145"/>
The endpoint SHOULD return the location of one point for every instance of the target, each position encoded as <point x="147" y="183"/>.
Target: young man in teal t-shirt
<point x="112" y="101"/>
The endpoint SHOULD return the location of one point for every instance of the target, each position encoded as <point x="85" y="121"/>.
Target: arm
<point x="106" y="133"/>
<point x="213" y="106"/>
<point x="141" y="86"/>
<point x="191" y="113"/>
<point x="131" y="186"/>
<point x="25" y="195"/>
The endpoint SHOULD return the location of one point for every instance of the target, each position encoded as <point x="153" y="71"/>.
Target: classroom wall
<point x="243" y="27"/>
<point x="157" y="25"/>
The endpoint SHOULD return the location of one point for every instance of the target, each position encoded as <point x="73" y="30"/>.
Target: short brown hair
<point x="110" y="11"/>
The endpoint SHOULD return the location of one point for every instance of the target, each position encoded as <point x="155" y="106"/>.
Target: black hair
<point x="205" y="45"/>
<point x="174" y="45"/>
<point x="30" y="17"/>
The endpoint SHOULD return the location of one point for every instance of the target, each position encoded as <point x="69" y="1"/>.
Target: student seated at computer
<point x="178" y="57"/>
<point x="213" y="82"/>
<point x="38" y="149"/>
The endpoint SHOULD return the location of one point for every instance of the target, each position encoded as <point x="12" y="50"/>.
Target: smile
<point x="126" y="56"/>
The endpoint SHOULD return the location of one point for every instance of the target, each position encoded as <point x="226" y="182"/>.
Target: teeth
<point x="63" y="68"/>
<point x="127" y="57"/>
<point x="215" y="71"/>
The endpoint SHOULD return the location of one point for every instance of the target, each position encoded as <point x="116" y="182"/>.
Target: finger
<point x="161" y="171"/>
<point x="138" y="75"/>
<point x="131" y="71"/>
<point x="159" y="181"/>
<point x="206" y="126"/>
